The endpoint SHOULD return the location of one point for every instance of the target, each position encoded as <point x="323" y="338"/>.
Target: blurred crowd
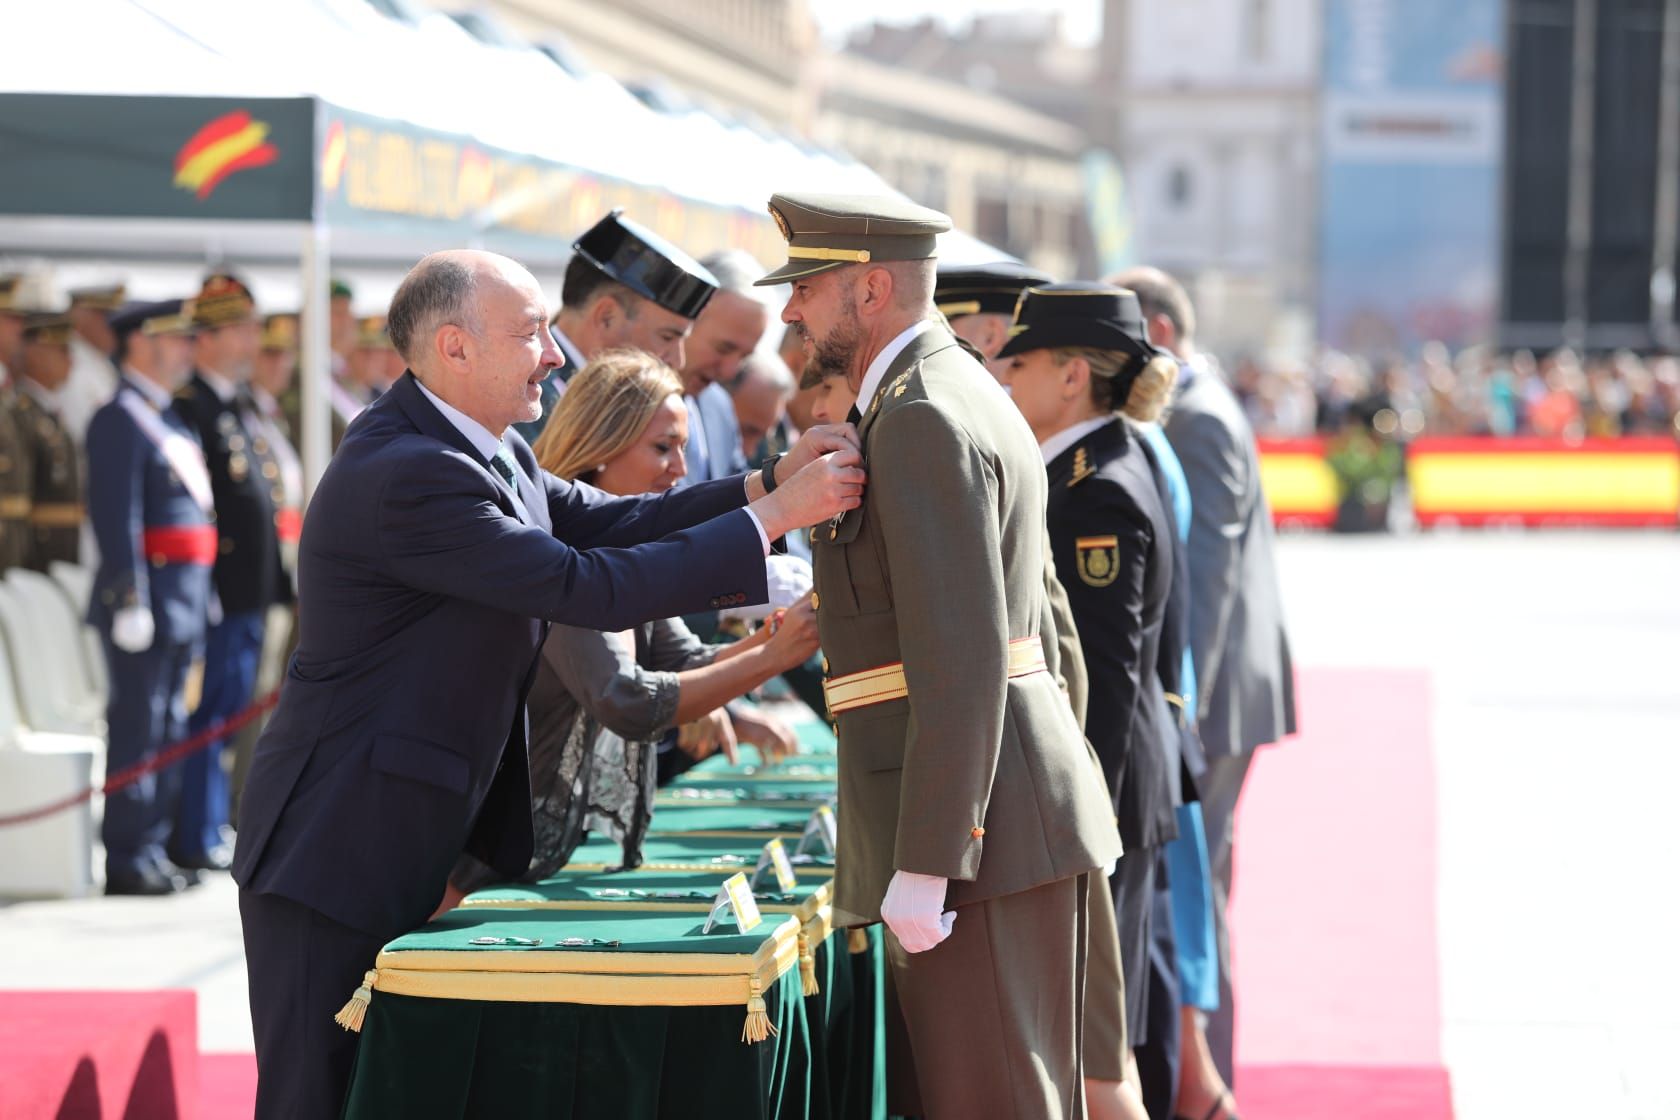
<point x="1476" y="392"/>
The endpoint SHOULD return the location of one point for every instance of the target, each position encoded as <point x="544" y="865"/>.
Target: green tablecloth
<point x="725" y="854"/>
<point x="592" y="1053"/>
<point x="680" y="888"/>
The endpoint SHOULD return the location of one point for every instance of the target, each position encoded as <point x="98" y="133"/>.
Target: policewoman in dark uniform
<point x="150" y="502"/>
<point x="249" y="576"/>
<point x="55" y="514"/>
<point x="1081" y="369"/>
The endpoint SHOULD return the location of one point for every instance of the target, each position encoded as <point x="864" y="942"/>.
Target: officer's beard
<point x="832" y="355"/>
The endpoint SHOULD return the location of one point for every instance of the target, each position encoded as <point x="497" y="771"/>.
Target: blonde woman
<point x="1085" y="376"/>
<point x="600" y="702"/>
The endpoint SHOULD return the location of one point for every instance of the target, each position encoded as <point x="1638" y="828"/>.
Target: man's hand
<point x="774" y="739"/>
<point x="452" y="896"/>
<point x="914" y="910"/>
<point x="707" y="735"/>
<point x="829" y="485"/>
<point x="796" y="639"/>
<point x="813" y="444"/>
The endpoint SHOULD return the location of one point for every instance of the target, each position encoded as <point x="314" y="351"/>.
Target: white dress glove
<point x="789" y="578"/>
<point x="132" y="629"/>
<point x="914" y="910"/>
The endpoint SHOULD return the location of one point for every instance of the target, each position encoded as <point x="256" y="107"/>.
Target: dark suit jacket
<point x="1244" y="672"/>
<point x="249" y="574"/>
<point x="400" y="739"/>
<point x="132" y="488"/>
<point x="1112" y="543"/>
<point x="722" y="435"/>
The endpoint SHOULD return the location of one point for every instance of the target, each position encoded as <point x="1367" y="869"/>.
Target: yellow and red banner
<point x="1479" y="481"/>
<point x="1298" y="482"/>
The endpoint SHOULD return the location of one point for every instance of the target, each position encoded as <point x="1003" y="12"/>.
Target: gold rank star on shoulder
<point x="1082" y="468"/>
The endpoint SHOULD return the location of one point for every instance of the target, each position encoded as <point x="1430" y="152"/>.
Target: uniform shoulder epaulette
<point x="1082" y="468"/>
<point x="185" y="392"/>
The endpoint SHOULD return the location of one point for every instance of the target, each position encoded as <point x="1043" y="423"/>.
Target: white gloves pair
<point x="789" y="578"/>
<point x="914" y="909"/>
<point x="132" y="629"/>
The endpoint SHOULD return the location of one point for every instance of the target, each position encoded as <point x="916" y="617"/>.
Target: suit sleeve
<point x="1214" y="463"/>
<point x="945" y="567"/>
<point x="116" y="476"/>
<point x="590" y="518"/>
<point x="440" y="530"/>
<point x="1112" y="614"/>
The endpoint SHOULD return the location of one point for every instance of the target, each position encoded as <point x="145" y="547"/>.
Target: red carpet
<point x="1333" y="910"/>
<point x="90" y="1055"/>
<point x="227" y="1086"/>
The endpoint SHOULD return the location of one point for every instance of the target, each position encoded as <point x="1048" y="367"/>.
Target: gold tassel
<point x="857" y="940"/>
<point x="350" y="1016"/>
<point x="757" y="1027"/>
<point x="807" y="966"/>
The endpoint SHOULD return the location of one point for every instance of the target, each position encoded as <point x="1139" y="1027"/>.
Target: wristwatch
<point x="768" y="474"/>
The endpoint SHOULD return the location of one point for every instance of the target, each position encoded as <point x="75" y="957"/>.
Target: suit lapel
<point x="427" y="420"/>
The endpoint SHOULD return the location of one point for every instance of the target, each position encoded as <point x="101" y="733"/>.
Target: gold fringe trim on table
<point x="758" y="1026"/>
<point x="857" y="940"/>
<point x="351" y="1015"/>
<point x="807" y="966"/>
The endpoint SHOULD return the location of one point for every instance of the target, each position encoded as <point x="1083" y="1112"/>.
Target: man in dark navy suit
<point x="150" y="503"/>
<point x="434" y="555"/>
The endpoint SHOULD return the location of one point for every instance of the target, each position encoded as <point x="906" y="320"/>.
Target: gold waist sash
<point x="877" y="686"/>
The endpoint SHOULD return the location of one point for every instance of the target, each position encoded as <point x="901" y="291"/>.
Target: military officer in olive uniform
<point x="249" y="575"/>
<point x="969" y="813"/>
<point x="55" y="515"/>
<point x="14" y="468"/>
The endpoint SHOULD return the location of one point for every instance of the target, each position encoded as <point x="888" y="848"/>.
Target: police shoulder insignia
<point x="1082" y="468"/>
<point x="1098" y="559"/>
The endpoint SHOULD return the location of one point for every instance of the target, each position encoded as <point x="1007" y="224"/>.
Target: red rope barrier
<point x="166" y="757"/>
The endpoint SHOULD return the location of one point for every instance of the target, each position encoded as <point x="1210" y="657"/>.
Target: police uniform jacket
<point x="245" y="478"/>
<point x="974" y="775"/>
<point x="133" y="487"/>
<point x="1113" y="544"/>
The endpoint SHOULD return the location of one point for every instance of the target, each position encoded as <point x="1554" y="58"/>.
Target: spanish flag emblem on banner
<point x="234" y="142"/>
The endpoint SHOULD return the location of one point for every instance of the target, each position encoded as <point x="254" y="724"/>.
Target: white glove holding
<point x="914" y="910"/>
<point x="789" y="578"/>
<point x="132" y="629"/>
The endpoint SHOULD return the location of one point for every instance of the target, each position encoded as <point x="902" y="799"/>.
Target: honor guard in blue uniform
<point x="14" y="470"/>
<point x="150" y="502"/>
<point x="624" y="286"/>
<point x="249" y="575"/>
<point x="1082" y="370"/>
<point x="54" y="466"/>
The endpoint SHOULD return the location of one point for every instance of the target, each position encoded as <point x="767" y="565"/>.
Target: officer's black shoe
<point x="146" y="881"/>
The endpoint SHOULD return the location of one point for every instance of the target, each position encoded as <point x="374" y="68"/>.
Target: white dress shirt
<point x="1067" y="437"/>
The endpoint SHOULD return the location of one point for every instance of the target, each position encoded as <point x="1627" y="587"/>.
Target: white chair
<point x="77" y="582"/>
<point x="77" y="643"/>
<point x="51" y="857"/>
<point x="51" y="690"/>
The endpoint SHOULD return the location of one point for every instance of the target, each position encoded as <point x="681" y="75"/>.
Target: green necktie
<point x="503" y="462"/>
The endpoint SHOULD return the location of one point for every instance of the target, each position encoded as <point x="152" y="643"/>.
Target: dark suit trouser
<point x="1158" y="1058"/>
<point x="232" y="650"/>
<point x="1220" y="788"/>
<point x="995" y="1013"/>
<point x="146" y="712"/>
<point x="301" y="967"/>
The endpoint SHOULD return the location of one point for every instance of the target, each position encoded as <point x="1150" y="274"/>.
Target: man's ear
<point x="604" y="313"/>
<point x="452" y="347"/>
<point x="875" y="289"/>
<point x="1162" y="333"/>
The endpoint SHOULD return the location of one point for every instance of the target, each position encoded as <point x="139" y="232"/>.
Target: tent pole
<point x="315" y="355"/>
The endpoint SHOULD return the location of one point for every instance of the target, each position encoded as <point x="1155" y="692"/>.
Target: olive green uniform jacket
<point x="975" y="776"/>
